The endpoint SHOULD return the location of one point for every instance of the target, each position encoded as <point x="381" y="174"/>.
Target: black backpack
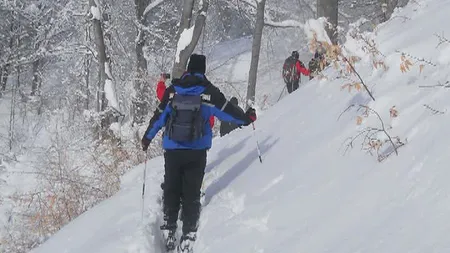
<point x="289" y="70"/>
<point x="185" y="123"/>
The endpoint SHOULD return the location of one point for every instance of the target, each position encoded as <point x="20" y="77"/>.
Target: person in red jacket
<point x="161" y="88"/>
<point x="292" y="69"/>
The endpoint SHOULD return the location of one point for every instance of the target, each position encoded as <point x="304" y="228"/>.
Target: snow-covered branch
<point x="283" y="24"/>
<point x="151" y="6"/>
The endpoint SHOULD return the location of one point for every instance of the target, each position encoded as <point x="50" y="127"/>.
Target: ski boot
<point x="187" y="243"/>
<point x="169" y="238"/>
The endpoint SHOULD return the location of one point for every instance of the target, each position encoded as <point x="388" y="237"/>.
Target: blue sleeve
<point x="158" y="124"/>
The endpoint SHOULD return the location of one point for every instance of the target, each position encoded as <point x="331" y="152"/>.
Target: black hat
<point x="295" y="54"/>
<point x="197" y="63"/>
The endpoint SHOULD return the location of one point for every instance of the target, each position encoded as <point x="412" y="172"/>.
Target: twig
<point x="372" y="47"/>
<point x="444" y="85"/>
<point x="357" y="74"/>
<point x="348" y="108"/>
<point x="434" y="110"/>
<point x="417" y="59"/>
<point x="442" y="40"/>
<point x="382" y="126"/>
<point x="369" y="131"/>
<point x="383" y="157"/>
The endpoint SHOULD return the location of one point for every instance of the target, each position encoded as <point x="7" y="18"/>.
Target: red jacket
<point x="302" y="69"/>
<point x="161" y="88"/>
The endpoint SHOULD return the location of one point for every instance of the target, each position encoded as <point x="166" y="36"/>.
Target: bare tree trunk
<point x="5" y="69"/>
<point x="4" y="73"/>
<point x="184" y="54"/>
<point x="36" y="84"/>
<point x="140" y="106"/>
<point x="87" y="71"/>
<point x="101" y="54"/>
<point x="387" y="8"/>
<point x="104" y="71"/>
<point x="87" y="66"/>
<point x="186" y="16"/>
<point x="12" y="114"/>
<point x="329" y="9"/>
<point x="256" y="49"/>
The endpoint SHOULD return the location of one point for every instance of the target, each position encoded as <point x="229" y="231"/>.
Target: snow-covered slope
<point x="307" y="196"/>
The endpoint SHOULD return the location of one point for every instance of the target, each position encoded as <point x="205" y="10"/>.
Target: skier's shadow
<point x="224" y="153"/>
<point x="231" y="174"/>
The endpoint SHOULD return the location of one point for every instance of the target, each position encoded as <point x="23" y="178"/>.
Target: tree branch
<point x="417" y="59"/>
<point x="442" y="39"/>
<point x="445" y="85"/>
<point x="151" y="6"/>
<point x="283" y="24"/>
<point x="434" y="110"/>
<point x="369" y="132"/>
<point x="362" y="81"/>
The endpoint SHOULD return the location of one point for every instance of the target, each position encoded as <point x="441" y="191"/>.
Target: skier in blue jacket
<point x="184" y="112"/>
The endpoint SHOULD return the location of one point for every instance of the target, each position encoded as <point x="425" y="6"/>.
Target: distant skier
<point x="315" y="66"/>
<point x="184" y="111"/>
<point x="292" y="69"/>
<point x="227" y="127"/>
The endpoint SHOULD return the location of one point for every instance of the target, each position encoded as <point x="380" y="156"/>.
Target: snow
<point x="316" y="26"/>
<point x="284" y="23"/>
<point x="307" y="196"/>
<point x="95" y="11"/>
<point x="110" y="94"/>
<point x="109" y="89"/>
<point x="184" y="41"/>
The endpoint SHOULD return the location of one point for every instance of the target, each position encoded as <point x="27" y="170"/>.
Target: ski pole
<point x="282" y="91"/>
<point x="143" y="186"/>
<point x="257" y="143"/>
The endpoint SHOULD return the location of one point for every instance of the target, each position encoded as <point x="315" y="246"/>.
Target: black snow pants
<point x="184" y="171"/>
<point x="292" y="86"/>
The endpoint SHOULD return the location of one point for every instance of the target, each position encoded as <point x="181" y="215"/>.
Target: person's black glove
<point x="145" y="143"/>
<point x="251" y="116"/>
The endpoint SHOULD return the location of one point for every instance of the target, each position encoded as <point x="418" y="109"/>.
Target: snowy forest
<point x="78" y="79"/>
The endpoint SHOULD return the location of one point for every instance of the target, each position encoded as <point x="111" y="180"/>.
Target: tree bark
<point x="256" y="49"/>
<point x="180" y="63"/>
<point x="140" y="105"/>
<point x="101" y="55"/>
<point x="36" y="83"/>
<point x="87" y="62"/>
<point x="186" y="16"/>
<point x="4" y="73"/>
<point x="387" y="8"/>
<point x="329" y="10"/>
<point x="111" y="115"/>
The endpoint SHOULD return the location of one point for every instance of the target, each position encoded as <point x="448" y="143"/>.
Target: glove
<point x="145" y="143"/>
<point x="251" y="115"/>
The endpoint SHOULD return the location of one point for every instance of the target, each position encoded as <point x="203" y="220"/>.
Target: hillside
<point x="313" y="192"/>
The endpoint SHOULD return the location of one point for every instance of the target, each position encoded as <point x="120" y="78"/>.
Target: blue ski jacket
<point x="214" y="103"/>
